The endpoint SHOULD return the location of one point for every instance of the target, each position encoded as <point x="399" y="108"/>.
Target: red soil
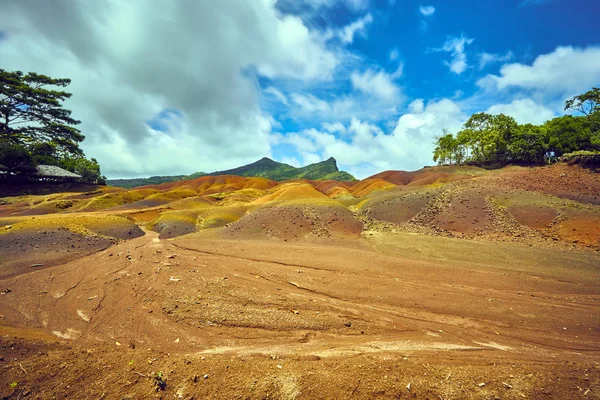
<point x="266" y="319"/>
<point x="533" y="216"/>
<point x="580" y="228"/>
<point x="21" y="249"/>
<point x="400" y="208"/>
<point x="466" y="213"/>
<point x="400" y="178"/>
<point x="294" y="222"/>
<point x="367" y="186"/>
<point x="561" y="180"/>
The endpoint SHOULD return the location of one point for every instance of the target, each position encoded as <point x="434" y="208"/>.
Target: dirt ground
<point x="445" y="283"/>
<point x="392" y="316"/>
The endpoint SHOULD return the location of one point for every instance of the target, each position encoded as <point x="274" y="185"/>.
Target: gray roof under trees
<point x="54" y="171"/>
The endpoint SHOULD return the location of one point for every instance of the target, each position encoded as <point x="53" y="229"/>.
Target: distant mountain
<point x="153" y="180"/>
<point x="263" y="168"/>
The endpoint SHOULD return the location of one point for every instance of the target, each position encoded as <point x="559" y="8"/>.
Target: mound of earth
<point x="429" y="175"/>
<point x="398" y="207"/>
<point x="291" y="191"/>
<point x="293" y="221"/>
<point x="23" y="251"/>
<point x="52" y="240"/>
<point x="367" y="186"/>
<point x="561" y="180"/>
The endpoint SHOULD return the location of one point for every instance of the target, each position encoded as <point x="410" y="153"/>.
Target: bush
<point x="583" y="157"/>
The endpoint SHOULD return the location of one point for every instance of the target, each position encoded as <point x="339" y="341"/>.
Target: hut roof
<point x="3" y="168"/>
<point x="54" y="171"/>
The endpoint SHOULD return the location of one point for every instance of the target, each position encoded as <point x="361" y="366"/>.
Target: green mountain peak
<point x="263" y="168"/>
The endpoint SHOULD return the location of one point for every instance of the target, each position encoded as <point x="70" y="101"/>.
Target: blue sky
<point x="201" y="86"/>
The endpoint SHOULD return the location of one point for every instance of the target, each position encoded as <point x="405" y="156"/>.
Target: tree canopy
<point x="36" y="129"/>
<point x="499" y="139"/>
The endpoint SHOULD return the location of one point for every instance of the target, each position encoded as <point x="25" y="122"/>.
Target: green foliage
<point x="44" y="153"/>
<point x="263" y="168"/>
<point x="14" y="154"/>
<point x="31" y="113"/>
<point x="582" y="157"/>
<point x="35" y="129"/>
<point x="527" y="144"/>
<point x="588" y="104"/>
<point x="567" y="134"/>
<point x="498" y="139"/>
<point x="448" y="149"/>
<point x="88" y="169"/>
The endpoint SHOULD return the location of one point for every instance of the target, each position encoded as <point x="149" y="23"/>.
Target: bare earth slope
<point x="463" y="287"/>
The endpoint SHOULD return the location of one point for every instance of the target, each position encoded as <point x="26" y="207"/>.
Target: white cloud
<point x="378" y="83"/>
<point x="456" y="46"/>
<point x="355" y="5"/>
<point x="524" y="111"/>
<point x="566" y="70"/>
<point x="366" y="149"/>
<point x="277" y="94"/>
<point x="128" y="62"/>
<point x="416" y="106"/>
<point x="312" y="109"/>
<point x="426" y="11"/>
<point x="310" y="103"/>
<point x="348" y="32"/>
<point x="492" y="58"/>
<point x="335" y="127"/>
<point x="394" y="54"/>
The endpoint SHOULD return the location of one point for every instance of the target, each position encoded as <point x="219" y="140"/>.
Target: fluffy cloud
<point x="566" y="70"/>
<point x="378" y="84"/>
<point x="311" y="109"/>
<point x="456" y="46"/>
<point x="335" y="127"/>
<point x="524" y="111"/>
<point x="426" y="11"/>
<point x="130" y="62"/>
<point x="365" y="149"/>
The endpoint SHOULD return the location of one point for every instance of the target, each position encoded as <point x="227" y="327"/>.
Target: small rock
<point x="482" y="384"/>
<point x="177" y="340"/>
<point x="206" y="376"/>
<point x="36" y="265"/>
<point x="408" y="387"/>
<point x="172" y="256"/>
<point x="117" y="343"/>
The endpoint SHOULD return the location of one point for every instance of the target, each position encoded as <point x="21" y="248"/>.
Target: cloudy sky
<point x="173" y="87"/>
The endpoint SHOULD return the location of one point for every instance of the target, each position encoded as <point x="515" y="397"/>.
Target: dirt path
<point x="357" y="319"/>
